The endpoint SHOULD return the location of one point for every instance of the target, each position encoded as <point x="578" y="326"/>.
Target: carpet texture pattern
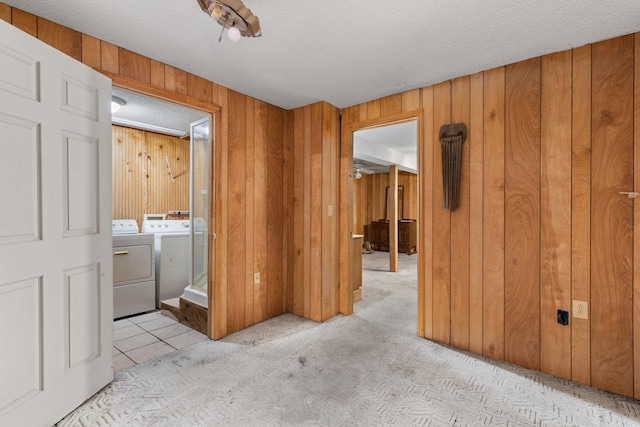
<point x="368" y="369"/>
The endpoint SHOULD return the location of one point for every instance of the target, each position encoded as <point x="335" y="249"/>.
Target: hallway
<point x="366" y="369"/>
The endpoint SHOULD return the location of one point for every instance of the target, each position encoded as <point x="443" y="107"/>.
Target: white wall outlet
<point x="330" y="210"/>
<point x="580" y="309"/>
<point x="256" y="278"/>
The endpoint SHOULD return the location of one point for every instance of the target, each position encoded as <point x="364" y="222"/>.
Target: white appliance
<point x="134" y="286"/>
<point x="171" y="256"/>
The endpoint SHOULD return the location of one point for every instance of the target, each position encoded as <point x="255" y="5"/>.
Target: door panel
<point x="56" y="278"/>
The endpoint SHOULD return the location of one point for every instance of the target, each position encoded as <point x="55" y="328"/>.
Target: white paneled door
<point x="56" y="279"/>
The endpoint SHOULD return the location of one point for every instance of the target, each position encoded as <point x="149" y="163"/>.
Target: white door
<point x="56" y="278"/>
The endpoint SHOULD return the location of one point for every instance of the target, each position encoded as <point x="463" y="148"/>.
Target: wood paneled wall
<point x="250" y="205"/>
<point x="552" y="141"/>
<point x="141" y="180"/>
<point x="551" y="144"/>
<point x="369" y="198"/>
<point x="312" y="183"/>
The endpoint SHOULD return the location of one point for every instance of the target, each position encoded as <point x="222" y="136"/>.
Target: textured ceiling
<point x="344" y="52"/>
<point x="146" y="110"/>
<point x="375" y="149"/>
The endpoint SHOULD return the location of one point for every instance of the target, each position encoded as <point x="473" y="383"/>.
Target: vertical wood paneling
<point x="288" y="209"/>
<point x="236" y="220"/>
<point x="5" y="13"/>
<point x="298" y="213"/>
<point x="134" y="66"/>
<point x="393" y="218"/>
<point x="336" y="173"/>
<point x="359" y="204"/>
<point x="161" y="193"/>
<point x="25" y="21"/>
<point x="425" y="251"/>
<point x="555" y="233"/>
<point x="275" y="251"/>
<point x="493" y="305"/>
<point x="369" y="198"/>
<point x="580" y="212"/>
<point x="636" y="221"/>
<point x="109" y="57"/>
<point x="460" y="225"/>
<point x="251" y="226"/>
<point x="373" y="109"/>
<point x="315" y="141"/>
<point x="141" y="182"/>
<point x="545" y="209"/>
<point x="522" y="214"/>
<point x="307" y="291"/>
<point x="199" y="88"/>
<point x="261" y="198"/>
<point x="325" y="272"/>
<point x="157" y="75"/>
<point x="91" y="51"/>
<point x="612" y="216"/>
<point x="316" y="213"/>
<point x="221" y="290"/>
<point x="441" y="222"/>
<point x="391" y="105"/>
<point x="411" y="100"/>
<point x="345" y="226"/>
<point x="359" y="113"/>
<point x="62" y="38"/>
<point x="175" y="80"/>
<point x="475" y="142"/>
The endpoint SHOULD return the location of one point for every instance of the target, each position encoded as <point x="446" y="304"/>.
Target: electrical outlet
<point x="256" y="278"/>
<point x="580" y="309"/>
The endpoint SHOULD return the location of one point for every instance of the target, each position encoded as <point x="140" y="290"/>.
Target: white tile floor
<point x="141" y="338"/>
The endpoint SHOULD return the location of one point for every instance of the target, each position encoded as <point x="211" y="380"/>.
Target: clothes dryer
<point x="172" y="256"/>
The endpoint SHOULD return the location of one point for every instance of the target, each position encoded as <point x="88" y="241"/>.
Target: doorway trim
<point x="346" y="203"/>
<point x="215" y="112"/>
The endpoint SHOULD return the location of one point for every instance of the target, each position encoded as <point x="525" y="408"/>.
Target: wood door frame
<point x="215" y="119"/>
<point x="346" y="199"/>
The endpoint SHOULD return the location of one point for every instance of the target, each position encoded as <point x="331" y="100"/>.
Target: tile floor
<point x="140" y="338"/>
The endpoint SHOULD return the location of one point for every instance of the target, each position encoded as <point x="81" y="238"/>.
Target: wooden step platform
<point x="186" y="312"/>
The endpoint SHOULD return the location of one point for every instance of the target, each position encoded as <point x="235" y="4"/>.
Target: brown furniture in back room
<point x="407" y="235"/>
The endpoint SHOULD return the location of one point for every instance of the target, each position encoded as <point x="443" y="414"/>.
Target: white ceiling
<point x="143" y="110"/>
<point x="344" y="52"/>
<point x="374" y="150"/>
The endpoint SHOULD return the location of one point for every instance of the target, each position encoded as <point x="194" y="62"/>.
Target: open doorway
<point x="385" y="159"/>
<point x="162" y="180"/>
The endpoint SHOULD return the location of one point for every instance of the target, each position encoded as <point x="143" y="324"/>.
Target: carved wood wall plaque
<point x="452" y="137"/>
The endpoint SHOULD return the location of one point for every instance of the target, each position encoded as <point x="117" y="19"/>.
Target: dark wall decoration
<point x="451" y="139"/>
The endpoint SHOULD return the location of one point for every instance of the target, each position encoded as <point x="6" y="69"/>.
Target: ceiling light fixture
<point x="357" y="174"/>
<point x="234" y="16"/>
<point x="116" y="103"/>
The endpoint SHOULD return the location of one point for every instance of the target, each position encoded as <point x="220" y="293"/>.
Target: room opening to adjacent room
<point x="385" y="206"/>
<point x="163" y="213"/>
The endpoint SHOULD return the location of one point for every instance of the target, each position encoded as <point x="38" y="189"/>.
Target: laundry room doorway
<point x="163" y="177"/>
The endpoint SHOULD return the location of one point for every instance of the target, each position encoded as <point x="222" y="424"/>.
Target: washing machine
<point x="134" y="285"/>
<point x="172" y="256"/>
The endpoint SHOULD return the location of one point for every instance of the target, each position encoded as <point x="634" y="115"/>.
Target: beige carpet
<point x="368" y="369"/>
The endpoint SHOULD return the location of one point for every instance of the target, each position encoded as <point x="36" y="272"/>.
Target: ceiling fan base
<point x="232" y="13"/>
